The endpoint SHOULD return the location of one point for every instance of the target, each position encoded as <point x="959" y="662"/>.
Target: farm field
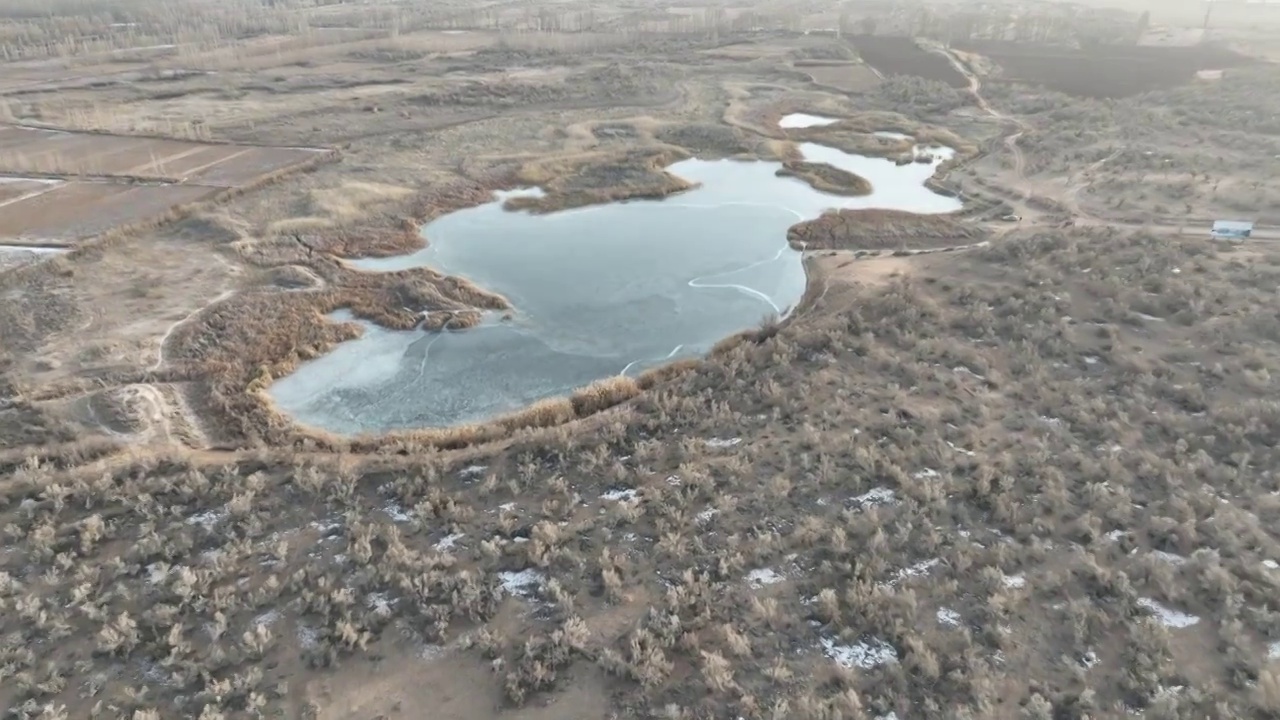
<point x="1011" y="461"/>
<point x="76" y="210"/>
<point x="133" y="180"/>
<point x="901" y="56"/>
<point x="1103" y="72"/>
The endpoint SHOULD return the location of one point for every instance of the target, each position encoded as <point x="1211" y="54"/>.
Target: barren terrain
<point x="1016" y="461"/>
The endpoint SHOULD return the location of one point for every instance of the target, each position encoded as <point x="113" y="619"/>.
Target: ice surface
<point x="804" y="120"/>
<point x="597" y="291"/>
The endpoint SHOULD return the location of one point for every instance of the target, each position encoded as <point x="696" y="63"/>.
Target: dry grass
<point x="598" y="178"/>
<point x="878" y="229"/>
<point x="962" y="385"/>
<point x="975" y="491"/>
<point x="826" y="178"/>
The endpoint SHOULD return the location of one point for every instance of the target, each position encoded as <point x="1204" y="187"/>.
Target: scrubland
<point x="1034" y="477"/>
<point x="1042" y="466"/>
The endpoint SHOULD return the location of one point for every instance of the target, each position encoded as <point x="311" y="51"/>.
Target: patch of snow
<point x="449" y="541"/>
<point x="507" y="507"/>
<point x="925" y="474"/>
<point x="381" y="603"/>
<point x="1015" y="581"/>
<point x="1089" y="659"/>
<point x="865" y="655"/>
<point x="1168" y="557"/>
<point x="805" y="120"/>
<point x="156" y="573"/>
<point x="877" y="496"/>
<point x="208" y="519"/>
<point x="948" y="617"/>
<point x="920" y="568"/>
<point x="960" y="450"/>
<point x="308" y="637"/>
<point x="619" y="495"/>
<point x="471" y="471"/>
<point x="267" y="619"/>
<point x="764" y="576"/>
<point x="1168" y="617"/>
<point x="397" y="513"/>
<point x="705" y="516"/>
<point x="1092" y="359"/>
<point x="1051" y="421"/>
<point x="723" y="443"/>
<point x="523" y="583"/>
<point x="1273" y="651"/>
<point x="1270" y="564"/>
<point x="431" y="652"/>
<point x="1115" y="535"/>
<point x="673" y="480"/>
<point x="326" y="529"/>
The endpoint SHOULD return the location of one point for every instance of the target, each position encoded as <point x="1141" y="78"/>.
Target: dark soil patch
<point x="902" y="56"/>
<point x="1104" y="71"/>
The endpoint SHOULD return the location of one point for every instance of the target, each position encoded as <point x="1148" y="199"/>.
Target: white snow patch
<point x="1092" y="359"/>
<point x="1168" y="616"/>
<point x="705" y="516"/>
<point x="723" y="442"/>
<point x="507" y="507"/>
<point x="1015" y="581"/>
<point x="1270" y="564"/>
<point x="948" y="617"/>
<point x="804" y="120"/>
<point x="920" y="568"/>
<point x="877" y="496"/>
<point x="925" y="474"/>
<point x="1089" y="659"/>
<point x="397" y="513"/>
<point x="472" y="470"/>
<point x="308" y="637"/>
<point x="267" y="619"/>
<point x="448" y="542"/>
<point x="620" y="495"/>
<point x="156" y="573"/>
<point x="381" y="603"/>
<point x="1115" y="535"/>
<point x="865" y="655"/>
<point x="1168" y="557"/>
<point x="523" y="583"/>
<point x="1273" y="651"/>
<point x="208" y="519"/>
<point x="431" y="652"/>
<point x="764" y="576"/>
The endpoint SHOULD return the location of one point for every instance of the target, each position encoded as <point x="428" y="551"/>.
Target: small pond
<point x="598" y="291"/>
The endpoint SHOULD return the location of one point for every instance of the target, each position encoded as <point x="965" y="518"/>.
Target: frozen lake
<point x="597" y="291"/>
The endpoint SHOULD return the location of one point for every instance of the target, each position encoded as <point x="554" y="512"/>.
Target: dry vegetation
<point x="1033" y="479"/>
<point x="881" y="229"/>
<point x="826" y="178"/>
<point x="1001" y="512"/>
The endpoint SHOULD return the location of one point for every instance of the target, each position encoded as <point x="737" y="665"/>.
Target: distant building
<point x="1231" y="229"/>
